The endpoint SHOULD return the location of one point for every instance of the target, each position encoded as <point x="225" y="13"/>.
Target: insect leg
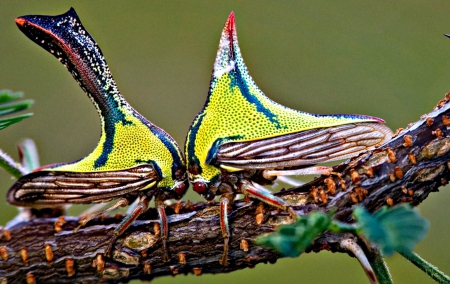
<point x="319" y="170"/>
<point x="85" y="218"/>
<point x="290" y="181"/>
<point x="141" y="207"/>
<point x="266" y="196"/>
<point x="224" y="201"/>
<point x="164" y="227"/>
<point x="351" y="246"/>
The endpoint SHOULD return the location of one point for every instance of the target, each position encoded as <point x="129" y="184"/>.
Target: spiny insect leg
<point x="141" y="207"/>
<point x="266" y="196"/>
<point x="164" y="228"/>
<point x="224" y="201"/>
<point x="85" y="218"/>
<point x="319" y="170"/>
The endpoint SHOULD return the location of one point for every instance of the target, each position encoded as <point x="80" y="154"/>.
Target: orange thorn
<point x="369" y="172"/>
<point x="389" y="201"/>
<point x="323" y="196"/>
<point x="99" y="263"/>
<point x="408" y="141"/>
<point x="59" y="223"/>
<point x="7" y="234"/>
<point x="392" y="177"/>
<point x="147" y="267"/>
<point x="342" y="184"/>
<point x="447" y="96"/>
<point x="197" y="271"/>
<point x="365" y="191"/>
<point x="24" y="255"/>
<point x="404" y="190"/>
<point x="398" y="172"/>
<point x="182" y="258"/>
<point x="174" y="270"/>
<point x="177" y="207"/>
<point x="411" y="192"/>
<point x="445" y="120"/>
<point x="244" y="245"/>
<point x="330" y="185"/>
<point x="430" y="121"/>
<point x="48" y="252"/>
<point x="359" y="193"/>
<point x="391" y="156"/>
<point x="314" y="194"/>
<point x="70" y="267"/>
<point x="259" y="214"/>
<point x="354" y="176"/>
<point x="397" y="132"/>
<point x="354" y="198"/>
<point x="4" y="253"/>
<point x="157" y="229"/>
<point x="30" y="278"/>
<point x="412" y="158"/>
<point x="437" y="132"/>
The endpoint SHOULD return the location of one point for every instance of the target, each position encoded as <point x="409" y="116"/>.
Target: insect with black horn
<point x="134" y="159"/>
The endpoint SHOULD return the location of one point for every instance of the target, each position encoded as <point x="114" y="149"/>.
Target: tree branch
<point x="406" y="169"/>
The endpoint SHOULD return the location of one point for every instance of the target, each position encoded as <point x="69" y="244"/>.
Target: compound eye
<point x="200" y="187"/>
<point x="181" y="188"/>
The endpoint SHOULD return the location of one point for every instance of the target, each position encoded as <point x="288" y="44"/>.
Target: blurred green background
<point x="380" y="58"/>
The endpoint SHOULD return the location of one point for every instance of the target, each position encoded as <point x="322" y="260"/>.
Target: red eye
<point x="181" y="188"/>
<point x="200" y="187"/>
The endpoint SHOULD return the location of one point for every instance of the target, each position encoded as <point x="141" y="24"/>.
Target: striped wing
<point x="303" y="148"/>
<point x="54" y="188"/>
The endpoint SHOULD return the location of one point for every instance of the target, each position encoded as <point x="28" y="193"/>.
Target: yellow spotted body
<point x="133" y="144"/>
<point x="236" y="110"/>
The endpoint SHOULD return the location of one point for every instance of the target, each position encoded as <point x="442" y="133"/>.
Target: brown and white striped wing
<point x="47" y="188"/>
<point x="303" y="148"/>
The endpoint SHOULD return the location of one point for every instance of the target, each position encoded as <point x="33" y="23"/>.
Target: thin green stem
<point x="340" y="227"/>
<point x="426" y="267"/>
<point x="378" y="264"/>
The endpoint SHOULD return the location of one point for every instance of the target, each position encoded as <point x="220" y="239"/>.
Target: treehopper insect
<point x="242" y="139"/>
<point x="134" y="159"/>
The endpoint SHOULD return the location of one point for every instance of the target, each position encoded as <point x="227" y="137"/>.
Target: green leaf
<point x="8" y="121"/>
<point x="399" y="228"/>
<point x="7" y="106"/>
<point x="7" y="96"/>
<point x="291" y="240"/>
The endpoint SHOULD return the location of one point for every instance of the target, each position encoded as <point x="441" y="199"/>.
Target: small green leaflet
<point x="291" y="240"/>
<point x="399" y="228"/>
<point x="8" y="106"/>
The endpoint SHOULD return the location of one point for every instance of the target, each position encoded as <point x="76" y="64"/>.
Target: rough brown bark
<point x="406" y="169"/>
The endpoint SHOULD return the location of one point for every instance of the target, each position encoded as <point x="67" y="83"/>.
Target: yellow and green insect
<point x="241" y="138"/>
<point x="134" y="159"/>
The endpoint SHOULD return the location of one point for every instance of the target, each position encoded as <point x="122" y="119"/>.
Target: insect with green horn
<point x="241" y="139"/>
<point x="134" y="159"/>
